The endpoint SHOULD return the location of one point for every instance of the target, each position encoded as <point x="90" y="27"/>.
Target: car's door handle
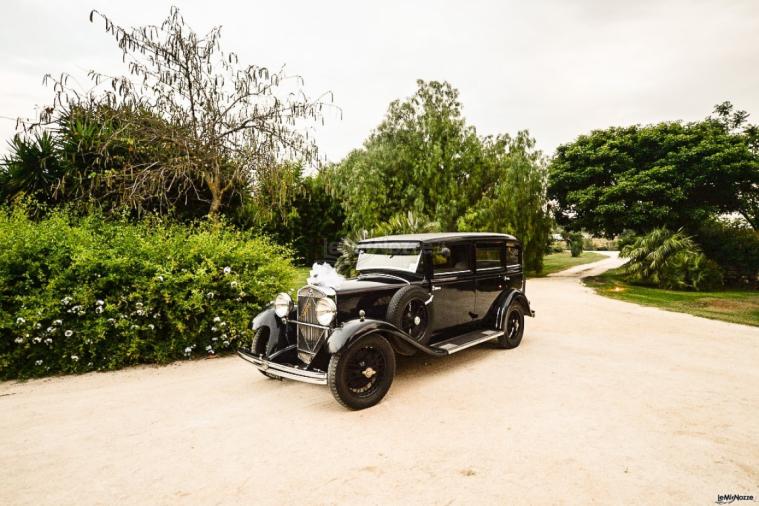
<point x="436" y="288"/>
<point x="506" y="278"/>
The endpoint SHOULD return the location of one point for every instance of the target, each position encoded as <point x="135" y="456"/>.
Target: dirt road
<point x="604" y="402"/>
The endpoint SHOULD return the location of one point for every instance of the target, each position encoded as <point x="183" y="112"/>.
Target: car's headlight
<point x="325" y="311"/>
<point x="283" y="304"/>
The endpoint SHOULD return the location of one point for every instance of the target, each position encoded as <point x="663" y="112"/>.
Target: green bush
<point x="670" y="260"/>
<point x="87" y="294"/>
<point x="575" y="244"/>
<point x="735" y="247"/>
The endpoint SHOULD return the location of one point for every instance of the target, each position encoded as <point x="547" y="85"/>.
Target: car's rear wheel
<point x="258" y="347"/>
<point x="360" y="376"/>
<point x="513" y="327"/>
<point x="408" y="310"/>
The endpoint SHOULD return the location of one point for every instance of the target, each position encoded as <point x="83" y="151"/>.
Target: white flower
<point x="133" y="327"/>
<point x="74" y="358"/>
<point x="68" y="333"/>
<point x="99" y="302"/>
<point x="19" y="340"/>
<point x="75" y="309"/>
<point x="227" y="270"/>
<point x="20" y="321"/>
<point x="81" y="313"/>
<point x="188" y="350"/>
<point x="160" y="278"/>
<point x="156" y="316"/>
<point x="209" y="295"/>
<point x="111" y="320"/>
<point x="37" y="326"/>
<point x="50" y="330"/>
<point x="226" y="343"/>
<point x="214" y="338"/>
<point x="138" y="305"/>
<point x="223" y="324"/>
<point x="38" y="362"/>
<point x="217" y="319"/>
<point x="37" y="340"/>
<point x="233" y="284"/>
<point x="151" y="326"/>
<point x="209" y="348"/>
<point x="139" y="312"/>
<point x="223" y="336"/>
<point x="48" y="341"/>
<point x="88" y="341"/>
<point x="66" y="301"/>
<point x="58" y="322"/>
<point x="99" y="309"/>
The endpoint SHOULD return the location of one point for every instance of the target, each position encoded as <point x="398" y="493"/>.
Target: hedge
<point x="83" y="294"/>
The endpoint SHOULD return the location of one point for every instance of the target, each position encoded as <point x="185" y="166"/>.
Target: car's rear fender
<point x="505" y="300"/>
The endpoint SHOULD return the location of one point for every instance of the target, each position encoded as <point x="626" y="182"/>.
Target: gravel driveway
<point x="604" y="402"/>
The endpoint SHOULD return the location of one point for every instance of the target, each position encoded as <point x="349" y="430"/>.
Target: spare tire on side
<point x="408" y="310"/>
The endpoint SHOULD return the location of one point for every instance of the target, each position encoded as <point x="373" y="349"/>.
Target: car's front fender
<point x="277" y="329"/>
<point x="353" y="330"/>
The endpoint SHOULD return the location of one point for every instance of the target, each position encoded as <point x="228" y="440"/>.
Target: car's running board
<point x="464" y="341"/>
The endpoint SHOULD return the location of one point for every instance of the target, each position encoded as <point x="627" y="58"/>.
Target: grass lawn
<point x="556" y="262"/>
<point x="737" y="306"/>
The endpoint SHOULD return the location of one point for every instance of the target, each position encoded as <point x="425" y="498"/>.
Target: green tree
<point x="424" y="159"/>
<point x="421" y="158"/>
<point x="187" y="117"/>
<point x="668" y="174"/>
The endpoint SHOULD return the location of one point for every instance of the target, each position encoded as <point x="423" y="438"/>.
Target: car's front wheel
<point x="513" y="327"/>
<point x="360" y="376"/>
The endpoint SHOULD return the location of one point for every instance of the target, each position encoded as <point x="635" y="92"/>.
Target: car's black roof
<point x="438" y="237"/>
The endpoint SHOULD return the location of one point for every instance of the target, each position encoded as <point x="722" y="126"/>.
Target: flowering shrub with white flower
<point x="88" y="294"/>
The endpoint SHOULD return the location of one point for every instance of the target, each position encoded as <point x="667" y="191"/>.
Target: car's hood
<point x="367" y="283"/>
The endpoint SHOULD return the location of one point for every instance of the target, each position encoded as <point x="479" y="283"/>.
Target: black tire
<point x="258" y="347"/>
<point x="360" y="376"/>
<point x="409" y="312"/>
<point x="513" y="327"/>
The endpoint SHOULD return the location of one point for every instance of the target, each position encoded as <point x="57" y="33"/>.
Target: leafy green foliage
<point x="293" y="209"/>
<point x="670" y="260"/>
<point x="424" y="158"/>
<point x="81" y="294"/>
<point x="575" y="241"/>
<point x="670" y="174"/>
<point x="735" y="247"/>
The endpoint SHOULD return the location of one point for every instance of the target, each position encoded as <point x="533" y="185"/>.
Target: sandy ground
<point x="604" y="402"/>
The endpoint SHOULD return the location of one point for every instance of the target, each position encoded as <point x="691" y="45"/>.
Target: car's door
<point x="490" y="268"/>
<point x="514" y="270"/>
<point x="453" y="285"/>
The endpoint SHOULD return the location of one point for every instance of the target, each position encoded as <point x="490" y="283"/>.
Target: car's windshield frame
<point x="414" y="256"/>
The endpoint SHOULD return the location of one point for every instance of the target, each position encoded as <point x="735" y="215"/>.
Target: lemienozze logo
<point x="731" y="498"/>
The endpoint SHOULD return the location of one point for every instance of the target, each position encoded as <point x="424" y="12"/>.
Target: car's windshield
<point x="395" y="256"/>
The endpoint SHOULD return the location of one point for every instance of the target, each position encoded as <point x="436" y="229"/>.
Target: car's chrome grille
<point x="309" y="338"/>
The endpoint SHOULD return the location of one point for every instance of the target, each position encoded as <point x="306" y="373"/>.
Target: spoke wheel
<point x="513" y="327"/>
<point x="360" y="376"/>
<point x="415" y="319"/>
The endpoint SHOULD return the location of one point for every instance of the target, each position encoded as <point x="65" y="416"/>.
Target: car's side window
<point x="448" y="259"/>
<point x="513" y="256"/>
<point x="490" y="257"/>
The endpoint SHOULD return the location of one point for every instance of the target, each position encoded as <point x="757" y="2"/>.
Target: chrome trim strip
<point x="283" y="350"/>
<point x="475" y="342"/>
<point x="284" y="371"/>
<point x="387" y="276"/>
<point x="325" y="327"/>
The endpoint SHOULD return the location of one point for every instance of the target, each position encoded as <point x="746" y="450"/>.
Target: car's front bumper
<point x="284" y="371"/>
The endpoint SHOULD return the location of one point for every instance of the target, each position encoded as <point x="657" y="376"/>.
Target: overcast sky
<point x="557" y="68"/>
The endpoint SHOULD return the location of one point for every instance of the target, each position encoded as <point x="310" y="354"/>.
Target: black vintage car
<point x="431" y="293"/>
